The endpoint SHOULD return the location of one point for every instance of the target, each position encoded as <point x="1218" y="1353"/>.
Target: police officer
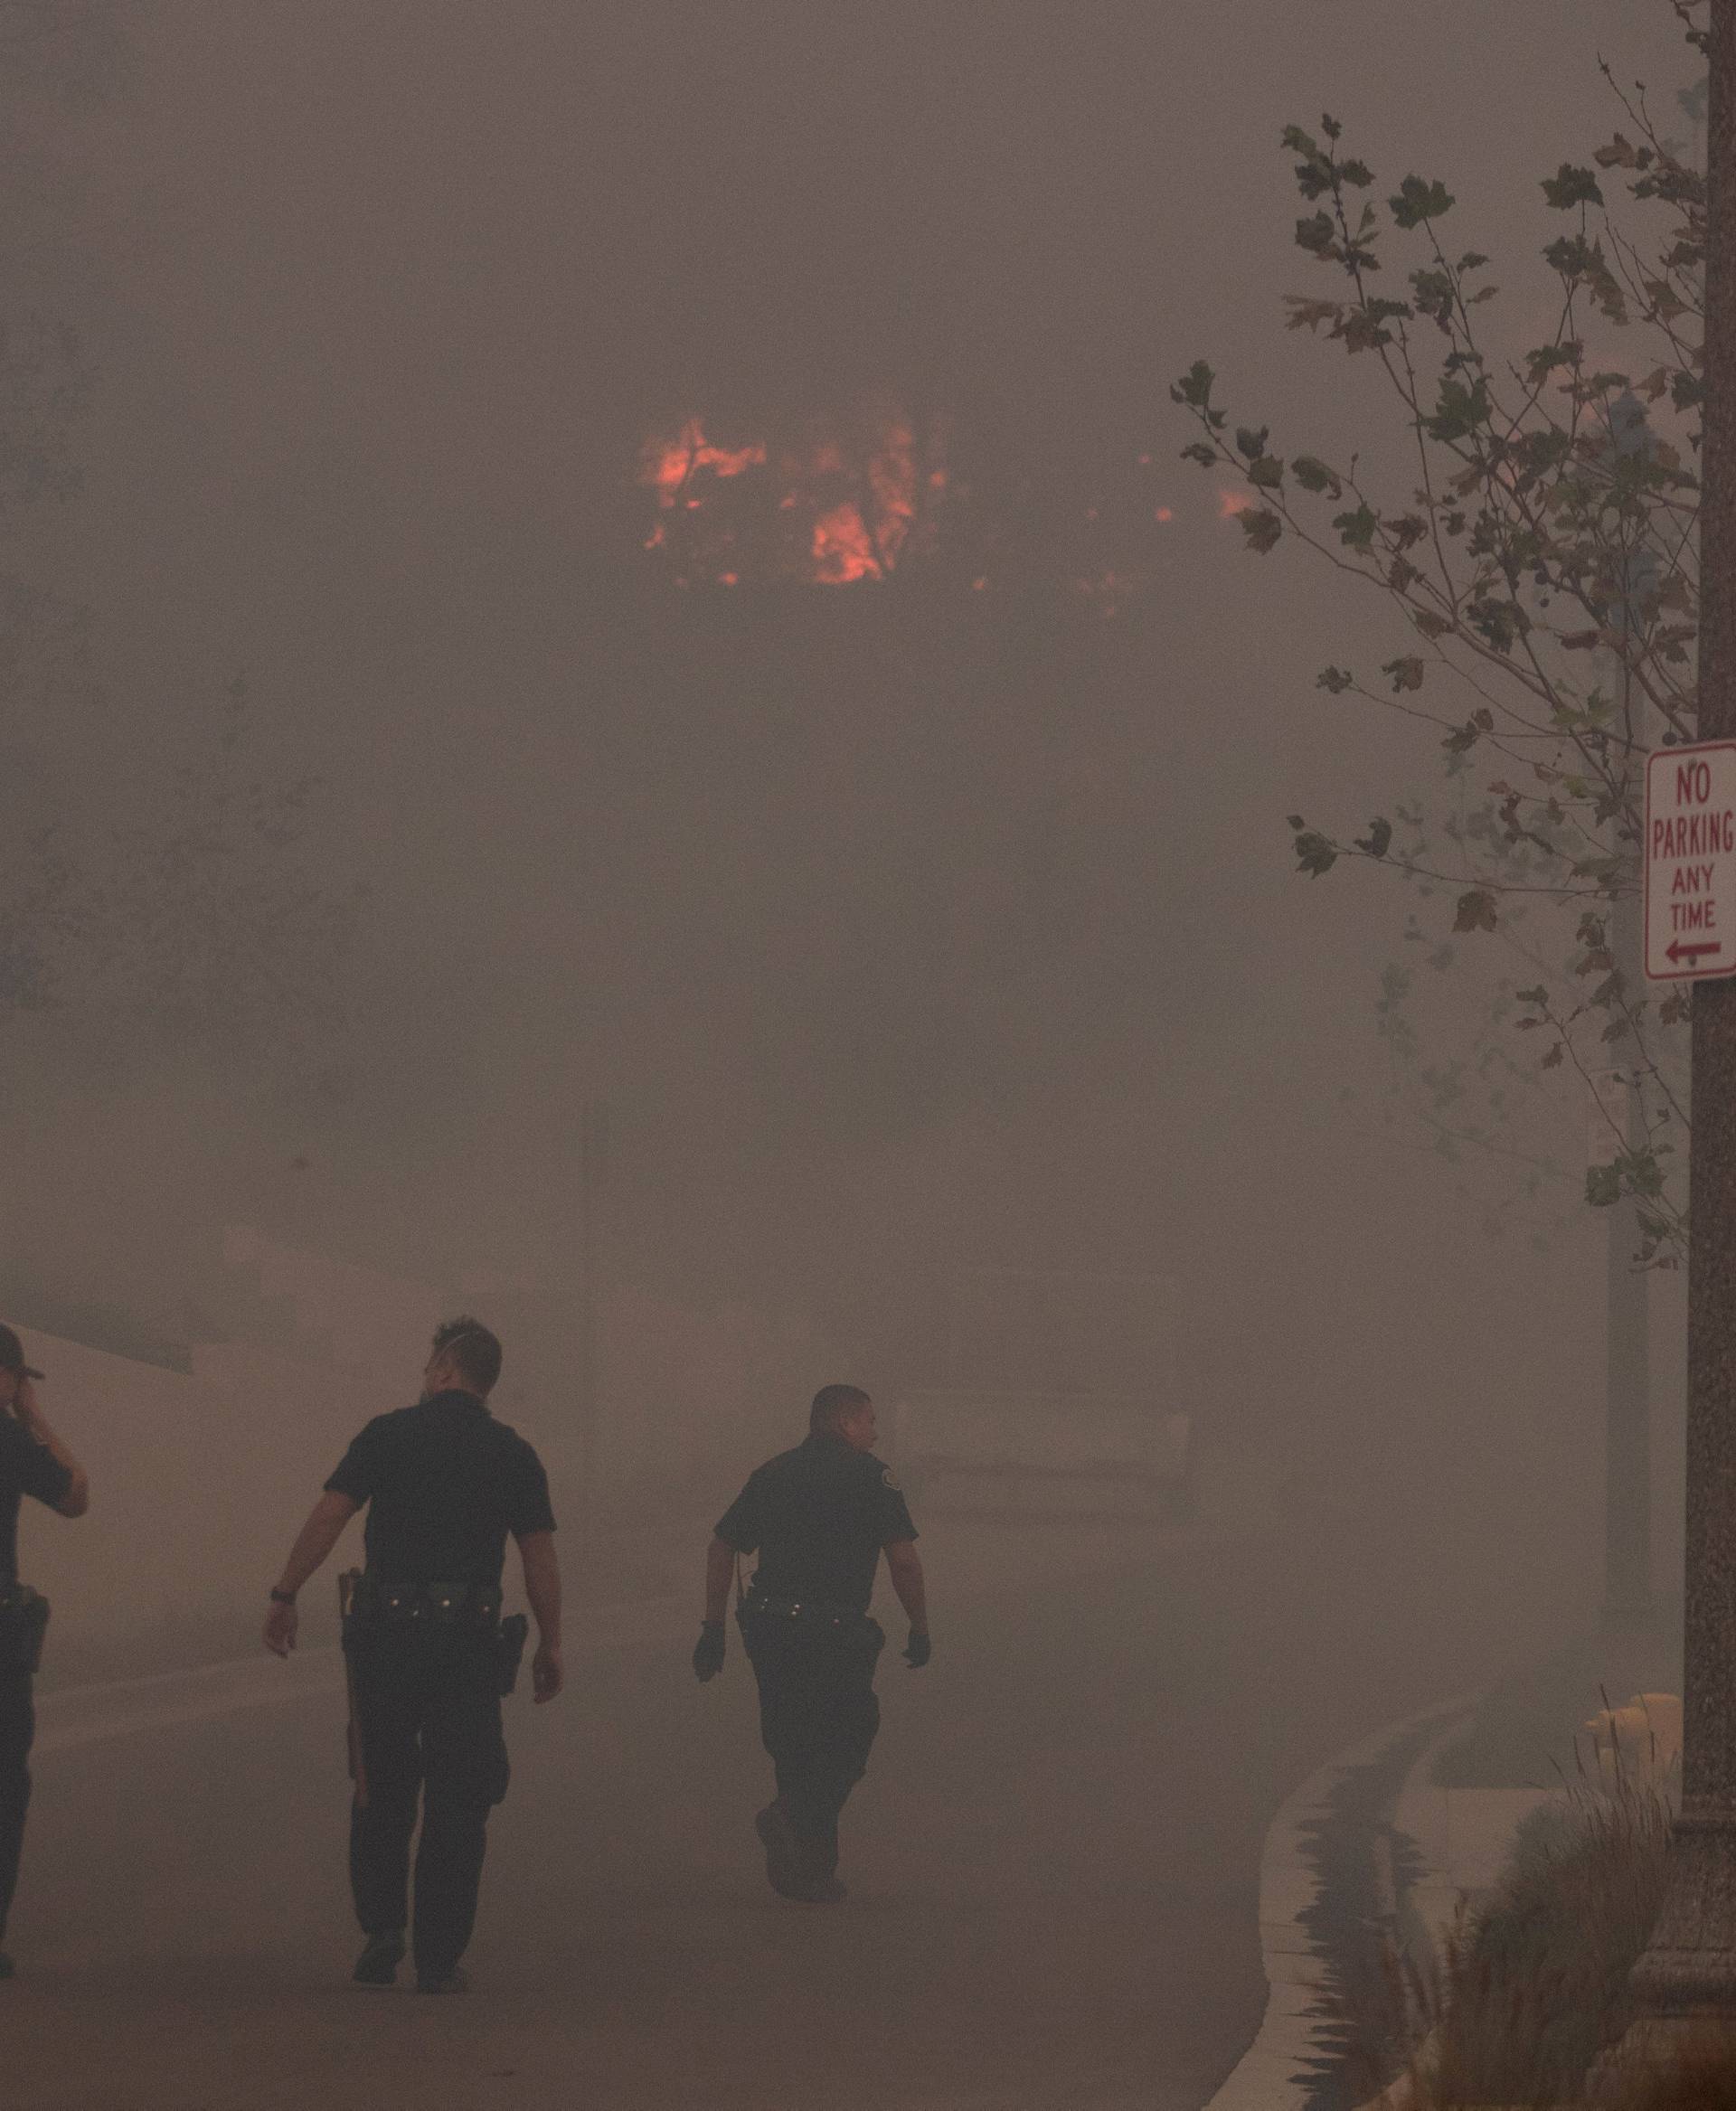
<point x="818" y="1517"/>
<point x="32" y="1462"/>
<point x="444" y="1483"/>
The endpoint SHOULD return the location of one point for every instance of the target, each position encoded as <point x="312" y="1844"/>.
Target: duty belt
<point x="816" y="1612"/>
<point x="431" y="1605"/>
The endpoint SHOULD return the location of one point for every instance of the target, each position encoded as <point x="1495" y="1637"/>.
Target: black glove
<point x="918" y="1649"/>
<point x="708" y="1651"/>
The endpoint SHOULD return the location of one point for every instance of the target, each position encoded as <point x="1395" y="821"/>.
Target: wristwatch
<point x="281" y="1597"/>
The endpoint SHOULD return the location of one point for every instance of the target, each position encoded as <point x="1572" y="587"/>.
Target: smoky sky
<point x="890" y="933"/>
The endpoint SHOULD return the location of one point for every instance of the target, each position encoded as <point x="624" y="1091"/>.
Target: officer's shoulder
<point x="509" y="1440"/>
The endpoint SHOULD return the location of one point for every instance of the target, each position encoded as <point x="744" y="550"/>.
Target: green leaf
<point x="1194" y="388"/>
<point x="1309" y="315"/>
<point x="1317" y="234"/>
<point x="1435" y="292"/>
<point x="1501" y="623"/>
<point x="1602" y="1186"/>
<point x="1375" y="843"/>
<point x="1476" y="910"/>
<point x="1417" y="202"/>
<point x="1266" y="473"/>
<point x="1262" y="527"/>
<point x="1356" y="530"/>
<point x="1314" y="476"/>
<point x="1335" y="680"/>
<point x="1459" y="411"/>
<point x="1406" y="672"/>
<point x="1313" y="854"/>
<point x="1200" y="451"/>
<point x="1570" y="187"/>
<point x="1364" y="329"/>
<point x="1314" y="171"/>
<point x="1251" y="439"/>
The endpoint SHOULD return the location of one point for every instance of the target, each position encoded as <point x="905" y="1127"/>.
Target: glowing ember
<point x="855" y="498"/>
<point x="1232" y="503"/>
<point x="842" y="551"/>
<point x="864" y="491"/>
<point x="670" y="465"/>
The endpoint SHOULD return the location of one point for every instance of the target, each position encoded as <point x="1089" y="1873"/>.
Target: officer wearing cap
<point x="819" y="1518"/>
<point x="426" y="1652"/>
<point x="32" y="1462"/>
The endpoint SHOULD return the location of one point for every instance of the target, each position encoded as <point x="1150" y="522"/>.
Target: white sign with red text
<point x="1691" y="862"/>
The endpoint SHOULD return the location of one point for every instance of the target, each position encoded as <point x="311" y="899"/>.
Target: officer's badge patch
<point x="888" y="1479"/>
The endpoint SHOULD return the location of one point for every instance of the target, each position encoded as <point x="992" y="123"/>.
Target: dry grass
<point x="1697" y="2079"/>
<point x="1532" y="1986"/>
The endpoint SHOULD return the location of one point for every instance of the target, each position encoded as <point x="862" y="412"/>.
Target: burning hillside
<point x="827" y="507"/>
<point x="857" y="499"/>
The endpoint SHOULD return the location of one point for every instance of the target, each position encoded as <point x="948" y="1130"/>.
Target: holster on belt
<point x="509" y="1650"/>
<point x="23" y="1622"/>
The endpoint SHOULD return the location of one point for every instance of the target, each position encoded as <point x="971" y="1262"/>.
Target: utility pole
<point x="1628" y="1421"/>
<point x="1628" y="1417"/>
<point x="1686" y="1979"/>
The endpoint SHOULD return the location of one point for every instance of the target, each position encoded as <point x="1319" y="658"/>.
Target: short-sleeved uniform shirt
<point x="26" y="1468"/>
<point x="444" y="1483"/>
<point x="817" y="1518"/>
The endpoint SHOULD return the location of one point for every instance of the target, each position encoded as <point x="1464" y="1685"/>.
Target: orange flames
<point x="852" y="503"/>
<point x="840" y="500"/>
<point x="670" y="465"/>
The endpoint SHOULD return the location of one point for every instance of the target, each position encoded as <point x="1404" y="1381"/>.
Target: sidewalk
<point x="1369" y="1854"/>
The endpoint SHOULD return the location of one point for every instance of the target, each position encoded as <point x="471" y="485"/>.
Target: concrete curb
<point x="77" y="1716"/>
<point x="1301" y="2038"/>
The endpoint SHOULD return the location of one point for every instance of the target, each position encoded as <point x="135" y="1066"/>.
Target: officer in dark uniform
<point x="444" y="1483"/>
<point x="818" y="1517"/>
<point x="32" y="1462"/>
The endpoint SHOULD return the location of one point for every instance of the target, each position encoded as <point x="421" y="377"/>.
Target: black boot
<point x="783" y="1850"/>
<point x="380" y="1957"/>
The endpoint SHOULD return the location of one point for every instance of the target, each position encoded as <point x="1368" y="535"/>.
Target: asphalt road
<point x="1053" y="1866"/>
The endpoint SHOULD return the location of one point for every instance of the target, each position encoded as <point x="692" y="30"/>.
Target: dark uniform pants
<point x="18" y="1731"/>
<point x="428" y="1710"/>
<point x="819" y="1714"/>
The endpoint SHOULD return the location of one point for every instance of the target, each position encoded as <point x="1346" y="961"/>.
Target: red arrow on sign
<point x="1675" y="950"/>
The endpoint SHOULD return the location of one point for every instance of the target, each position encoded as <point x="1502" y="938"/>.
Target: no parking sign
<point x="1691" y="862"/>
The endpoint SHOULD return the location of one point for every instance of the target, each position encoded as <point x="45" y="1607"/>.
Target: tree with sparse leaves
<point x="1539" y="543"/>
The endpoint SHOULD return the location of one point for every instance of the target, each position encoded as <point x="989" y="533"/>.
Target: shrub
<point x="1533" y="1986"/>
